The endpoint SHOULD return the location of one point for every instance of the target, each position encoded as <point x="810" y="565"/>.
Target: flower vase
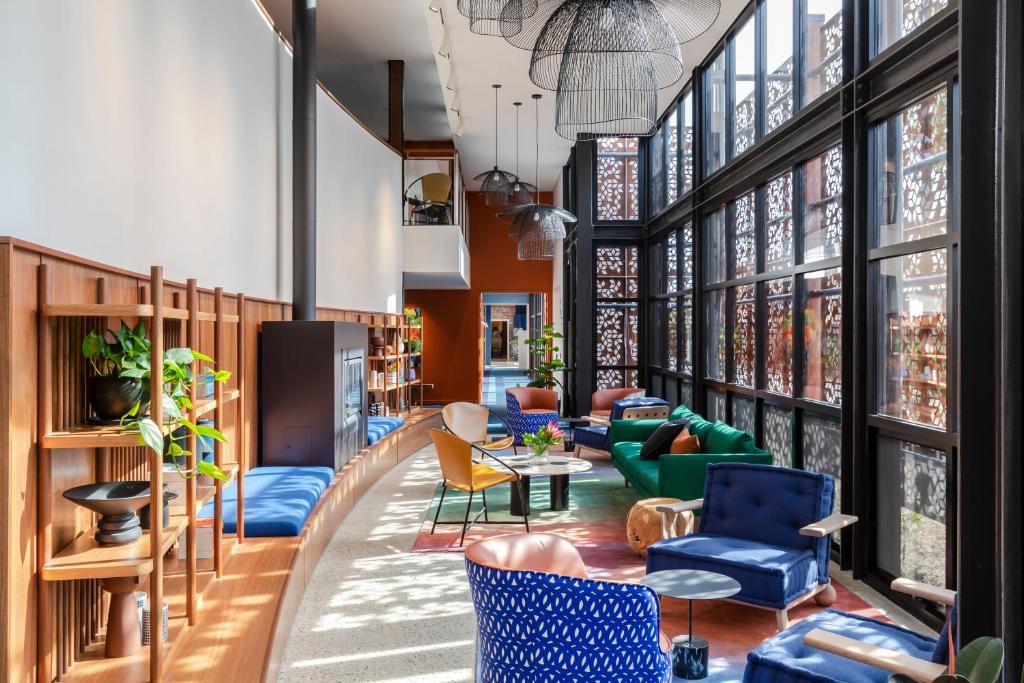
<point x="538" y="457"/>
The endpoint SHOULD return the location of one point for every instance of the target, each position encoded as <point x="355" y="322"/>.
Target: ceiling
<point x="355" y="40"/>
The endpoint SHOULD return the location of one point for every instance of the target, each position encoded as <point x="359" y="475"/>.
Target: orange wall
<point x="453" y="334"/>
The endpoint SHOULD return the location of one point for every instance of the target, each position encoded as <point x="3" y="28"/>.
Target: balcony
<point x="436" y="254"/>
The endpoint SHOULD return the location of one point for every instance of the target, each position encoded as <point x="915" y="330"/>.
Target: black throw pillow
<point x="660" y="441"/>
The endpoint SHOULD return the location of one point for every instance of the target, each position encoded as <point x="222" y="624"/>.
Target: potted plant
<point x="115" y="357"/>
<point x="413" y="317"/>
<point x="546" y="364"/>
<point x="541" y="442"/>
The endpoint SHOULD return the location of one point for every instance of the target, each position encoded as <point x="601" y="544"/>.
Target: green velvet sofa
<point x="676" y="475"/>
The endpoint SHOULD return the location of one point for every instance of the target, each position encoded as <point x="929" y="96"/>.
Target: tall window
<point x="715" y="121"/>
<point x="618" y="179"/>
<point x="671" y="133"/>
<point x="744" y="91"/>
<point x="778" y="105"/>
<point x="898" y="18"/>
<point x="672" y="309"/>
<point x="823" y="219"/>
<point x="823" y="47"/>
<point x="778" y="200"/>
<point x="617" y="324"/>
<point x="686" y="142"/>
<point x="658" y="175"/>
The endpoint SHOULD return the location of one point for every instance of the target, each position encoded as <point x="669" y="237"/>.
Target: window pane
<point x="671" y="265"/>
<point x="657" y="149"/>
<point x="743" y="93"/>
<point x="616" y="326"/>
<point x="667" y="335"/>
<point x="714" y="79"/>
<point x="912" y="310"/>
<point x="744" y="239"/>
<point x="688" y="334"/>
<point x="778" y="200"/>
<point x="779" y="51"/>
<point x="778" y="435"/>
<point x="687" y="257"/>
<point x="687" y="394"/>
<point x="671" y="158"/>
<point x="779" y="345"/>
<point x="823" y="448"/>
<point x="823" y="45"/>
<point x="618" y="180"/>
<point x="912" y="173"/>
<point x="686" y="113"/>
<point x="743" y="414"/>
<point x="899" y="18"/>
<point x="744" y="334"/>
<point x="823" y="326"/>
<point x="714" y="247"/>
<point x="714" y="324"/>
<point x="716" y="405"/>
<point x="823" y="206"/>
<point x="911" y="511"/>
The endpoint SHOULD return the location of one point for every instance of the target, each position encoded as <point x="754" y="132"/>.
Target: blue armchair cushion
<point x="785" y="658"/>
<point x="661" y="440"/>
<point x="277" y="500"/>
<point x="377" y="427"/>
<point x="771" y="576"/>
<point x="619" y="406"/>
<point x="768" y="505"/>
<point x="591" y="436"/>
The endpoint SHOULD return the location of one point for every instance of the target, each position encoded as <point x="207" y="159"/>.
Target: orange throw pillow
<point x="684" y="443"/>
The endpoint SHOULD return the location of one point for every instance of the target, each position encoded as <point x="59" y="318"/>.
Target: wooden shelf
<point x="207" y="405"/>
<point x="110" y="311"/>
<point x="94" y="667"/>
<point x="91" y="436"/>
<point x="84" y="558"/>
<point x="206" y="316"/>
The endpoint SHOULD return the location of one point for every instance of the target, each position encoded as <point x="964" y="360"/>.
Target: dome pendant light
<point x="496" y="182"/>
<point x="519" y="192"/>
<point x="537" y="226"/>
<point x="486" y="16"/>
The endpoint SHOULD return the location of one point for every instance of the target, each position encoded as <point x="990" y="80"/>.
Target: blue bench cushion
<point x="379" y="427"/>
<point x="593" y="436"/>
<point x="784" y="658"/>
<point x="277" y="500"/>
<point x="771" y="576"/>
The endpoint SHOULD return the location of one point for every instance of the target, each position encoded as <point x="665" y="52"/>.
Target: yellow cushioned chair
<point x="460" y="472"/>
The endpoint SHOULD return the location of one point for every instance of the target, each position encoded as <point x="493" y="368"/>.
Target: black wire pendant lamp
<point x="496" y="182"/>
<point x="538" y="227"/>
<point x="519" y="191"/>
<point x="486" y="16"/>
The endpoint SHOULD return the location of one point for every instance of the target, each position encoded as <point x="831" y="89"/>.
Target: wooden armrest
<point x="685" y="506"/>
<point x="828" y="526"/>
<point x="598" y="420"/>
<point x="924" y="590"/>
<point x="885" y="659"/>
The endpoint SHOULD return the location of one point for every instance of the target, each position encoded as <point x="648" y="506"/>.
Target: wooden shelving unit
<point x="62" y="422"/>
<point x="399" y="393"/>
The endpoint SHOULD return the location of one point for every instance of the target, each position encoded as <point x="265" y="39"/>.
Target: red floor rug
<point x="596" y="524"/>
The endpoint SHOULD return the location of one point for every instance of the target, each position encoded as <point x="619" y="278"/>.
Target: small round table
<point x="689" y="654"/>
<point x="559" y="467"/>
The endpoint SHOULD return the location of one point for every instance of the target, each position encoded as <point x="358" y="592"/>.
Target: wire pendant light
<point x="595" y="101"/>
<point x="486" y="16"/>
<point x="519" y="191"/>
<point x="537" y="226"/>
<point x="496" y="182"/>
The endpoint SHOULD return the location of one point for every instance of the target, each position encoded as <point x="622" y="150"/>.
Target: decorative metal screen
<point x="744" y="334"/>
<point x="617" y="326"/>
<point x="618" y="179"/>
<point x="743" y="90"/>
<point x="778" y="51"/>
<point x="823" y="206"/>
<point x="778" y="199"/>
<point x="744" y="236"/>
<point x="823" y="328"/>
<point x="779" y="345"/>
<point x="743" y="414"/>
<point x="714" y="333"/>
<point x="823" y="51"/>
<point x="778" y="435"/>
<point x="686" y="152"/>
<point x="823" y="446"/>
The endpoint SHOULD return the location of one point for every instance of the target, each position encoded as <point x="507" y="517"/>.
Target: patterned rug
<point x="596" y="524"/>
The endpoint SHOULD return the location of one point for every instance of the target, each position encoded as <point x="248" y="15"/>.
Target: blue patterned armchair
<point x="767" y="527"/>
<point x="529" y="409"/>
<point x="540" y="619"/>
<point x="595" y="436"/>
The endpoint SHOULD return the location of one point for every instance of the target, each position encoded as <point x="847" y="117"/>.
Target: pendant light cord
<point x="496" y="126"/>
<point x="517" y="139"/>
<point x="536" y="144"/>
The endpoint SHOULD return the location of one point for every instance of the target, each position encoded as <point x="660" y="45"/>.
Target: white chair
<point x="468" y="421"/>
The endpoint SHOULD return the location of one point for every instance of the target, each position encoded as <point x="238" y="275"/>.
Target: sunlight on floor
<point x="373" y="611"/>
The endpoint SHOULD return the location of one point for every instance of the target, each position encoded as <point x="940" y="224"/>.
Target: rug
<point x="596" y="524"/>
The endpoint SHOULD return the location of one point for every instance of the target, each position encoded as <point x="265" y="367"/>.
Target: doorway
<point x="499" y="342"/>
<point x="508" y="320"/>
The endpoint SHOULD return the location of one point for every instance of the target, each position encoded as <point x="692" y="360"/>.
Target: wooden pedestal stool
<point x="645" y="525"/>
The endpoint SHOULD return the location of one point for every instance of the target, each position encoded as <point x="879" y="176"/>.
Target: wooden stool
<point x="645" y="525"/>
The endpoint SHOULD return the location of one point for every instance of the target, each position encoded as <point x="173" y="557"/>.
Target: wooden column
<point x="396" y="104"/>
<point x="44" y="537"/>
<point x="241" y="448"/>
<point x="156" y="483"/>
<point x="218" y="420"/>
<point x="192" y="341"/>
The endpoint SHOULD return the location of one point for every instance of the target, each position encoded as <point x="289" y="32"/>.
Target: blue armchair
<point x="540" y="619"/>
<point x="595" y="437"/>
<point x="767" y="527"/>
<point x="837" y="646"/>
<point x="529" y="409"/>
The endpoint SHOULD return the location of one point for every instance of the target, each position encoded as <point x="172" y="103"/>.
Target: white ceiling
<point x="480" y="61"/>
<point x="355" y="40"/>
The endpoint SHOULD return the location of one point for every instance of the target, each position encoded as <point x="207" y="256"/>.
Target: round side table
<point x="646" y="526"/>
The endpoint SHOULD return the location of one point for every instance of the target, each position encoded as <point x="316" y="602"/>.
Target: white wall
<point x="139" y="133"/>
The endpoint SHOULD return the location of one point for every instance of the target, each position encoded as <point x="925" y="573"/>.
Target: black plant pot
<point x="112" y="397"/>
<point x="144" y="512"/>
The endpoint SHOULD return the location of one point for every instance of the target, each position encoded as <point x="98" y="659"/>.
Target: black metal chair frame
<point x="466" y="524"/>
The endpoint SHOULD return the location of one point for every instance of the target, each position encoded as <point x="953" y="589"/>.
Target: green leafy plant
<point x="413" y="345"/>
<point x="980" y="661"/>
<point x="546" y="437"/>
<point x="117" y="354"/>
<point x="546" y="363"/>
<point x="175" y="402"/>
<point x="413" y="317"/>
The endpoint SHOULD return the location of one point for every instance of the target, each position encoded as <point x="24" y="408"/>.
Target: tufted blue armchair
<point x="540" y="619"/>
<point x="529" y="409"/>
<point x="767" y="527"/>
<point x="595" y="437"/>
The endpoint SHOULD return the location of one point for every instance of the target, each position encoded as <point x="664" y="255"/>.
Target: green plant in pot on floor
<point x="546" y="364"/>
<point x="980" y="661"/>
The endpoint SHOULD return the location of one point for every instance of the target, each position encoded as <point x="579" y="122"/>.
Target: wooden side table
<point x="645" y="525"/>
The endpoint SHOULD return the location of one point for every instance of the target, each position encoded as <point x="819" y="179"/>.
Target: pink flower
<point x="555" y="431"/>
